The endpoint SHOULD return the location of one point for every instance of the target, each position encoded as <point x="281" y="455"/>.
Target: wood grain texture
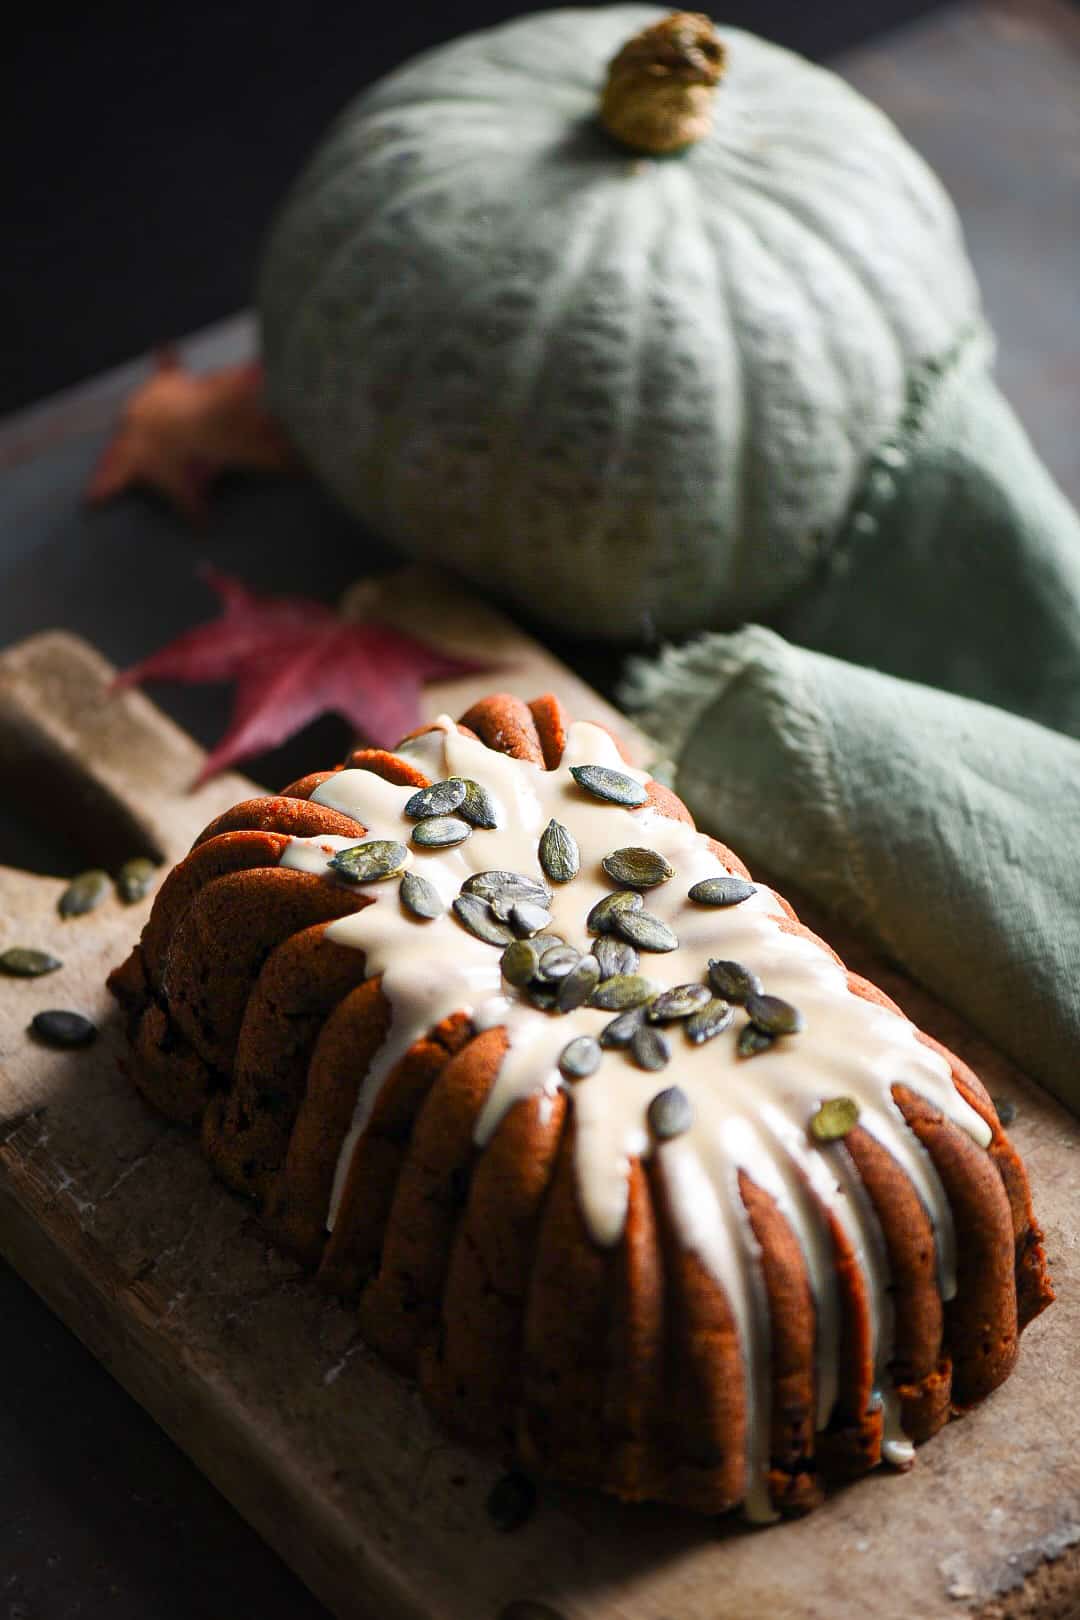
<point x="113" y="1217"/>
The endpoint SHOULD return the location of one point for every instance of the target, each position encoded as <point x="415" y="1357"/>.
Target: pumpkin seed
<point x="671" y="1113"/>
<point x="135" y="879"/>
<point x="728" y="890"/>
<point x="579" y="984"/>
<point x="545" y="942"/>
<point x="527" y="918"/>
<point x="621" y="1030"/>
<point x="59" y="1028"/>
<point x="559" y="853"/>
<point x="511" y="1502"/>
<point x="475" y="915"/>
<point x="558" y="961"/>
<point x="372" y="862"/>
<point x="420" y="896"/>
<point x="622" y="991"/>
<point x="752" y="1040"/>
<point x="774" y="1016"/>
<point x="580" y="1058"/>
<point x="477" y="805"/>
<point x="649" y="1047"/>
<point x="519" y="962"/>
<point x="83" y="893"/>
<point x="23" y="963"/>
<point x="647" y="932"/>
<point x="713" y="1019"/>
<point x="515" y="884"/>
<point x="612" y="786"/>
<point x="733" y="981"/>
<point x="440" y="799"/>
<point x="637" y="868"/>
<point x="834" y="1119"/>
<point x="679" y="1002"/>
<point x="601" y="919"/>
<point x="615" y="956"/>
<point x="1005" y="1110"/>
<point x="441" y="832"/>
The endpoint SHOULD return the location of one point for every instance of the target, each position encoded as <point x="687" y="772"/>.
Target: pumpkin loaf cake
<point x="613" y="1154"/>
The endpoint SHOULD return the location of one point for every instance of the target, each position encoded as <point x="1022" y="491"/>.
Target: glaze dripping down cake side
<point x="613" y="1155"/>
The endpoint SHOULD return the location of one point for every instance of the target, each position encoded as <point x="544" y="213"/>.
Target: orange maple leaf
<point x="181" y="429"/>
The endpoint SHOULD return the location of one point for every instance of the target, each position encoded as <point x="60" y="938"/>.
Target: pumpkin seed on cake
<point x="741" y="1239"/>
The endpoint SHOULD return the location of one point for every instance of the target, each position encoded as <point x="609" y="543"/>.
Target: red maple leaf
<point x="179" y="430"/>
<point x="293" y="659"/>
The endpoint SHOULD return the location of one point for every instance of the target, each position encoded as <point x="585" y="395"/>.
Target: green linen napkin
<point x="959" y="564"/>
<point x="946" y="829"/>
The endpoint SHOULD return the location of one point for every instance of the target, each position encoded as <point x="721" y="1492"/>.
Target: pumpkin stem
<point x="660" y="86"/>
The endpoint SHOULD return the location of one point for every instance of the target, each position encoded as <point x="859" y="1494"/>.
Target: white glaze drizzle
<point x="749" y="1114"/>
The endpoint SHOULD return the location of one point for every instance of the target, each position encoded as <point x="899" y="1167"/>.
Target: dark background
<point x="147" y="145"/>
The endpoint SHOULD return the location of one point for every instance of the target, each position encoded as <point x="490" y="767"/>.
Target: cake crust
<point x="471" y="1260"/>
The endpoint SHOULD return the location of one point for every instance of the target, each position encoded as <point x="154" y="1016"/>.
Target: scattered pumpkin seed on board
<point x="83" y="893"/>
<point x="58" y="1027"/>
<point x="135" y="879"/>
<point x="22" y="962"/>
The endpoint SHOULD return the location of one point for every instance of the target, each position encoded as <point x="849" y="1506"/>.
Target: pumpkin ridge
<point x="858" y="265"/>
<point x="516" y="404"/>
<point x="858" y="434"/>
<point x="354" y="226"/>
<point x="403" y="417"/>
<point x="743" y="479"/>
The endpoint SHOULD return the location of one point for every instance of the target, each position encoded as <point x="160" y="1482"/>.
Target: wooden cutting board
<point x="111" y="1214"/>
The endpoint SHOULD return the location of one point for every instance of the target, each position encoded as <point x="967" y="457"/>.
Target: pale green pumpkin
<point x="623" y="391"/>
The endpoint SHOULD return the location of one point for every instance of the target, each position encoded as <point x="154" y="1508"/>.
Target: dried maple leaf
<point x="294" y="659"/>
<point x="180" y="429"/>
